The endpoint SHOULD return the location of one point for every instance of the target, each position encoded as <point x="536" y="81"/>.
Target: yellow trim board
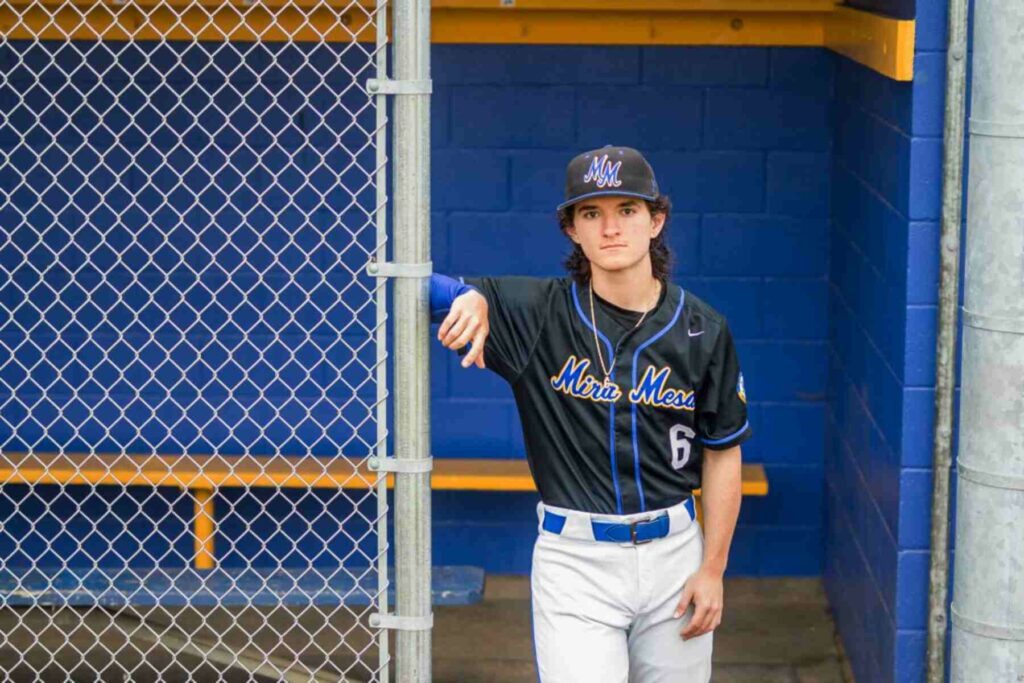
<point x="224" y="23"/>
<point x="500" y="5"/>
<point x="599" y="6"/>
<point x="568" y="27"/>
<point x="880" y="43"/>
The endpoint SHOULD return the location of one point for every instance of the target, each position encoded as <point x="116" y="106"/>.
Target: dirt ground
<point x="774" y="631"/>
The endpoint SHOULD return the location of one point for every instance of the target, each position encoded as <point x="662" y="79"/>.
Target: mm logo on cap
<point x="603" y="172"/>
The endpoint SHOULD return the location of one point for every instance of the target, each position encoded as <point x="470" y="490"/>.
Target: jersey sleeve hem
<point x="730" y="441"/>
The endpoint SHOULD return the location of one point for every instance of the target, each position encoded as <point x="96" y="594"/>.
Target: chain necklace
<point x="597" y="343"/>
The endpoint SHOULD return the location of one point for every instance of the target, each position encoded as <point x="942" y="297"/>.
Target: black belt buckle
<point x="632" y="532"/>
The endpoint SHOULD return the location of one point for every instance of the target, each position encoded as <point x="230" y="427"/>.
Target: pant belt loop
<point x="553" y="522"/>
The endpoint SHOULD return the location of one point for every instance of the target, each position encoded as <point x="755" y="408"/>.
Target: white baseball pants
<point x="602" y="611"/>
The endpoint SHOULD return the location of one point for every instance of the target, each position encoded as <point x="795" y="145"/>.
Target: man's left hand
<point x="704" y="589"/>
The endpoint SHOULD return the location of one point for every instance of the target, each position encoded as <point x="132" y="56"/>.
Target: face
<point x="615" y="233"/>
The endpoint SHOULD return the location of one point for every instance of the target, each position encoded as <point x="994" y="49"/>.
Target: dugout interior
<point x="804" y="165"/>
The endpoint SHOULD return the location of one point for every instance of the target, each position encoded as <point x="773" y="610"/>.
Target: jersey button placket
<point x="623" y="413"/>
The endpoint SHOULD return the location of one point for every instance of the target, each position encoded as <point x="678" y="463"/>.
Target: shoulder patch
<point x="741" y="391"/>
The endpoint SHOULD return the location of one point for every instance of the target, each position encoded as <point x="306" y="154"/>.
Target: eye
<point x="590" y="214"/>
<point x="628" y="210"/>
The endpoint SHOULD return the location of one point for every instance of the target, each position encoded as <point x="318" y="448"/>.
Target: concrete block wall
<point x="886" y="184"/>
<point x="741" y="139"/>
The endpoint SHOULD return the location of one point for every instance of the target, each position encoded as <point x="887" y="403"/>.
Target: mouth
<point x="613" y="246"/>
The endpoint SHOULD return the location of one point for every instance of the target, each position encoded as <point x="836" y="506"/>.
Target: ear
<point x="657" y="223"/>
<point x="571" y="232"/>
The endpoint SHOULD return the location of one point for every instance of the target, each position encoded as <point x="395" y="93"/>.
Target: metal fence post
<point x="412" y="331"/>
<point x="946" y="341"/>
<point x="987" y="612"/>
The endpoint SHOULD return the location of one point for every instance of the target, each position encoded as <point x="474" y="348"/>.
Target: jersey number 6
<point x="679" y="439"/>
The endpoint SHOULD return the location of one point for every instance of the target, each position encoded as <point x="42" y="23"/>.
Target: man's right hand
<point x="466" y="322"/>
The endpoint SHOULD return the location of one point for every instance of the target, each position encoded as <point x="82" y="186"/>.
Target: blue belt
<point x="640" y="531"/>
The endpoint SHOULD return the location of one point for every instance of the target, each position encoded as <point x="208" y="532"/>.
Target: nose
<point x="610" y="226"/>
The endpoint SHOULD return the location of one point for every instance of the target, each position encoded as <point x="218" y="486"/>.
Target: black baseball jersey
<point x="636" y="441"/>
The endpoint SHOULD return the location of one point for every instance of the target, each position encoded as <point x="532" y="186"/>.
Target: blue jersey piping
<point x="732" y="436"/>
<point x="636" y="358"/>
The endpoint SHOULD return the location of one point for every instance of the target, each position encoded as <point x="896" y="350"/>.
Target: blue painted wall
<point x="886" y="184"/>
<point x="741" y="139"/>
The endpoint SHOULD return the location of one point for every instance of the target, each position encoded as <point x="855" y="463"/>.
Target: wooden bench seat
<point x="202" y="475"/>
<point x="459" y="474"/>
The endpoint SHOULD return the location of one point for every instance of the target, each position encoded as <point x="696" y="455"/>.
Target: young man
<point x="631" y="397"/>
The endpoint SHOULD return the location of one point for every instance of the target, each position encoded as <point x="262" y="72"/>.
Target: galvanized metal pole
<point x="945" y="344"/>
<point x="380" y="332"/>
<point x="411" y="164"/>
<point x="988" y="591"/>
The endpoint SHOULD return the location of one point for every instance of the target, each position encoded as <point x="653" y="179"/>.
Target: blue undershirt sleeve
<point x="443" y="291"/>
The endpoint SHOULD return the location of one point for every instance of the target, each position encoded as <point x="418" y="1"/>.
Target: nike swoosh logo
<point x="694" y="334"/>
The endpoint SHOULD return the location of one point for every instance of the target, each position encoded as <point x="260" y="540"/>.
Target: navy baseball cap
<point x="606" y="171"/>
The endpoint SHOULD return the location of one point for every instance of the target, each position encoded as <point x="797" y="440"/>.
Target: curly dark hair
<point x="662" y="258"/>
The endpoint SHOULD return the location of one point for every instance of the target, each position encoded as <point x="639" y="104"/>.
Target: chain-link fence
<point x="191" y="351"/>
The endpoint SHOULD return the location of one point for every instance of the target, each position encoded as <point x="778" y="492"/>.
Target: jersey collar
<point x="655" y="325"/>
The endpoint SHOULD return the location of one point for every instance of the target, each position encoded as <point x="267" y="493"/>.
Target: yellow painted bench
<point x="514" y="475"/>
<point x="202" y="475"/>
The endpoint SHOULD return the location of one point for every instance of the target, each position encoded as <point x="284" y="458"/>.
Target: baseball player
<point x="630" y="396"/>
